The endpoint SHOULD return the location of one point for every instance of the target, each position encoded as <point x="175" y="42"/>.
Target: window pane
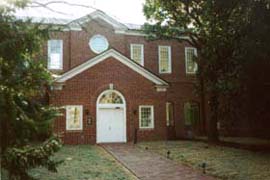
<point x="146" y="117"/>
<point x="191" y="65"/>
<point x="192" y="113"/>
<point x="137" y="51"/>
<point x="55" y="54"/>
<point x="164" y="59"/>
<point x="55" y="61"/>
<point x="111" y="98"/>
<point x="169" y="114"/>
<point x="74" y="117"/>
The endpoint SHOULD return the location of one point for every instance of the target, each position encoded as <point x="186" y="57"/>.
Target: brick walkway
<point x="149" y="166"/>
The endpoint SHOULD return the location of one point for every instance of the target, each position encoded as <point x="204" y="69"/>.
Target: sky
<point x="126" y="11"/>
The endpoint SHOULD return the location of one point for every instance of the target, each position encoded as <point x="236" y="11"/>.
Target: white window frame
<point x="195" y="52"/>
<point x="142" y="52"/>
<point x="49" y="55"/>
<point x="170" y="60"/>
<point x="152" y="116"/>
<point x="81" y="118"/>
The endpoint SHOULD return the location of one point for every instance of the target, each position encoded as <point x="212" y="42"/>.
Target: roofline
<point x="98" y="14"/>
<point x="118" y="56"/>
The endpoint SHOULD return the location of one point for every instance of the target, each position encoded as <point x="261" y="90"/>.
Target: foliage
<point x="24" y="115"/>
<point x="220" y="30"/>
<point x="18" y="161"/>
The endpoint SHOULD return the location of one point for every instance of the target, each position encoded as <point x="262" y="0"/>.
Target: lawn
<point x="221" y="162"/>
<point x="84" y="162"/>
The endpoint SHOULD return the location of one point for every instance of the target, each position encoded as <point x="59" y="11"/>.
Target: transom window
<point x="191" y="65"/>
<point x="137" y="53"/>
<point x="164" y="59"/>
<point x="146" y="117"/>
<point x="55" y="54"/>
<point x="74" y="116"/>
<point x="192" y="113"/>
<point x="111" y="98"/>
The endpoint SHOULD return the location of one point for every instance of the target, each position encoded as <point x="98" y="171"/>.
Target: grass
<point x="221" y="162"/>
<point x="241" y="140"/>
<point x="84" y="162"/>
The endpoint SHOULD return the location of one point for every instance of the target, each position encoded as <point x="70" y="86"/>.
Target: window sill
<point x="146" y="129"/>
<point x="74" y="130"/>
<point x="165" y="73"/>
<point x="191" y="74"/>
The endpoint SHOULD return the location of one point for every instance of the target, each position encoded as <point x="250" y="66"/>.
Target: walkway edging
<point x="119" y="161"/>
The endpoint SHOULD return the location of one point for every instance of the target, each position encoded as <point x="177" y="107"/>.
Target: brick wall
<point x="84" y="89"/>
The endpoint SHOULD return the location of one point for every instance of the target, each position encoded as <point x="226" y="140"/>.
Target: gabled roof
<point x="76" y="24"/>
<point x="121" y="58"/>
<point x="98" y="14"/>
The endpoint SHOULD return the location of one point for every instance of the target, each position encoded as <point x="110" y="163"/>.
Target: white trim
<point x="152" y="116"/>
<point x="142" y="52"/>
<point x="195" y="51"/>
<point x="91" y="45"/>
<point x="161" y="88"/>
<point x="131" y="32"/>
<point x="101" y="15"/>
<point x="111" y="106"/>
<point x="81" y="118"/>
<point x="168" y="113"/>
<point x="170" y="60"/>
<point x="49" y="54"/>
<point x="121" y="58"/>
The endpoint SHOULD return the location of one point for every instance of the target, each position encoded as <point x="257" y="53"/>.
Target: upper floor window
<point x="164" y="53"/>
<point x="55" y="54"/>
<point x="98" y="44"/>
<point x="146" y="114"/>
<point x="136" y="53"/>
<point x="192" y="113"/>
<point x="191" y="65"/>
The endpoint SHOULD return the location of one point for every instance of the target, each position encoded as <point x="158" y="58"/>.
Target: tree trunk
<point x="212" y="125"/>
<point x="203" y="110"/>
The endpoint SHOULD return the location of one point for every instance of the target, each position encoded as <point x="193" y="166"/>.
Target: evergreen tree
<point x="23" y="83"/>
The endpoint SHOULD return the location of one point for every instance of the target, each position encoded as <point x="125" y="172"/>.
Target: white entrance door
<point x="111" y="125"/>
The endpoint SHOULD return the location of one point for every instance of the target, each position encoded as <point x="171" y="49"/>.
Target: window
<point x="111" y="98"/>
<point x="169" y="114"/>
<point x="55" y="54"/>
<point x="164" y="59"/>
<point x="146" y="117"/>
<point x="136" y="53"/>
<point x="192" y="113"/>
<point x="74" y="117"/>
<point x="98" y="44"/>
<point x="191" y="65"/>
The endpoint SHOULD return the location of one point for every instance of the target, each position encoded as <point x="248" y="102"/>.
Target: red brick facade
<point x="84" y="88"/>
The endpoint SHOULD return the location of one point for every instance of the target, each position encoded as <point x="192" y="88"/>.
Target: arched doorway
<point x="111" y="117"/>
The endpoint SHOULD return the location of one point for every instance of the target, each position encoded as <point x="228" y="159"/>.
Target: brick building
<point x="114" y="85"/>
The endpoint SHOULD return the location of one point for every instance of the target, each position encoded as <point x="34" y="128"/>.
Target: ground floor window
<point x="169" y="114"/>
<point x="74" y="116"/>
<point x="146" y="118"/>
<point x="192" y="113"/>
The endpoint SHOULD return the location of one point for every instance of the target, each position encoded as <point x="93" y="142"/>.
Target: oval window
<point x="98" y="44"/>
